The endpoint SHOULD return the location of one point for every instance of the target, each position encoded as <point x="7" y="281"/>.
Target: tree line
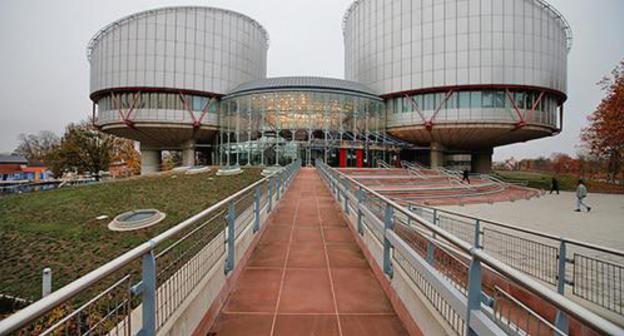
<point x="604" y="137"/>
<point x="81" y="149"/>
<point x="601" y="154"/>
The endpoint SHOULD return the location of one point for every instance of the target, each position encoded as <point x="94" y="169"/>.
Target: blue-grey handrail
<point x="541" y="234"/>
<point x="559" y="301"/>
<point x="32" y="312"/>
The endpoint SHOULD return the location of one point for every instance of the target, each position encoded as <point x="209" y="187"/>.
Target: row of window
<point x="161" y="101"/>
<point x="487" y="99"/>
<point x="472" y="99"/>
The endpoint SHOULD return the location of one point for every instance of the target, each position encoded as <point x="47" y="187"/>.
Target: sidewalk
<point x="307" y="276"/>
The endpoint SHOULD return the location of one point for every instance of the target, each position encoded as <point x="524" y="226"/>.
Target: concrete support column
<point x="482" y="161"/>
<point x="150" y="160"/>
<point x="188" y="154"/>
<point x="437" y="155"/>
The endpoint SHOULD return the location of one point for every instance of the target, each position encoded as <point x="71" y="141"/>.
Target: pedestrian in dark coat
<point x="466" y="177"/>
<point x="554" y="185"/>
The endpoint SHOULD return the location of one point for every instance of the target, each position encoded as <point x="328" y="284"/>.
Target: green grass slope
<point x="58" y="228"/>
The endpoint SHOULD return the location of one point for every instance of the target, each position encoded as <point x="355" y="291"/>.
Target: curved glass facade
<point x="479" y="106"/>
<point x="266" y="128"/>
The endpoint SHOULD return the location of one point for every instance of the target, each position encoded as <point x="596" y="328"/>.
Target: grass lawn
<point x="58" y="228"/>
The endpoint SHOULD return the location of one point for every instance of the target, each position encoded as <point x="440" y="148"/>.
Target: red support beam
<point x="197" y="121"/>
<point x="417" y="108"/>
<point x="535" y="105"/>
<point x="438" y="109"/>
<point x="135" y="99"/>
<point x="188" y="108"/>
<point x="429" y="123"/>
<point x="521" y="122"/>
<point x="206" y="110"/>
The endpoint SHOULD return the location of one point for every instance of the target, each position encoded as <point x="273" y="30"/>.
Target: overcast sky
<point x="44" y="73"/>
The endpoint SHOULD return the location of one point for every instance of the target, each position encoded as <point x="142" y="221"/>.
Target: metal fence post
<point x="148" y="293"/>
<point x="346" y="198"/>
<point x="270" y="195"/>
<point x="430" y="245"/>
<point x="474" y="292"/>
<point x="231" y="237"/>
<point x="477" y="234"/>
<point x="360" y="224"/>
<point x="46" y="282"/>
<point x="561" y="320"/>
<point x="388" y="225"/>
<point x="278" y="185"/>
<point x="257" y="209"/>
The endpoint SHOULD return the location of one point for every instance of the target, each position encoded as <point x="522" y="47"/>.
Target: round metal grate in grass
<point x="136" y="219"/>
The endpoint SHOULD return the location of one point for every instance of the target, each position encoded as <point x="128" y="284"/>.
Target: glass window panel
<point x="429" y="102"/>
<point x="464" y="100"/>
<point x="475" y="99"/>
<point x="488" y="99"/>
<point x="519" y="97"/>
<point x="452" y="101"/>
<point x="499" y="99"/>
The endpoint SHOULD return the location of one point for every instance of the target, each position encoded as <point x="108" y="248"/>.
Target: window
<point x="451" y="103"/>
<point x="488" y="99"/>
<point x="520" y="97"/>
<point x="475" y="99"/>
<point x="464" y="100"/>
<point x="500" y="99"/>
<point x="199" y="103"/>
<point x="407" y="105"/>
<point x="429" y="101"/>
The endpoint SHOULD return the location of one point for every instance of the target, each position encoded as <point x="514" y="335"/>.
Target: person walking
<point x="554" y="186"/>
<point x="466" y="177"/>
<point x="581" y="194"/>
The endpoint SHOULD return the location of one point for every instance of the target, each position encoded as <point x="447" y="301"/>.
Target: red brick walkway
<point x="307" y="275"/>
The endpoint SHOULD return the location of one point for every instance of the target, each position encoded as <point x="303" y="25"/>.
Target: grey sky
<point x="44" y="73"/>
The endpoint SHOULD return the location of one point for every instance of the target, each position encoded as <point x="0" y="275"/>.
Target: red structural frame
<point x="126" y="115"/>
<point x="523" y="120"/>
<point x="197" y="121"/>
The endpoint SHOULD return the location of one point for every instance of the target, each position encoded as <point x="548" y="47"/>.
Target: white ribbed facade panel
<point x="184" y="48"/>
<point x="395" y="46"/>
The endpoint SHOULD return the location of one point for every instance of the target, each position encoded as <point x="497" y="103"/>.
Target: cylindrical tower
<point x="157" y="76"/>
<point x="462" y="76"/>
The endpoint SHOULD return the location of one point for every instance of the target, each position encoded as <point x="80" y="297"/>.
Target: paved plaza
<point x="554" y="214"/>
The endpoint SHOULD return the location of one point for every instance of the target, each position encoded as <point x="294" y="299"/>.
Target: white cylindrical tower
<point x="157" y="76"/>
<point x="464" y="75"/>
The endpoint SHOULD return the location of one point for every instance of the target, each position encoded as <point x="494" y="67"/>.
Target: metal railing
<point x="593" y="273"/>
<point x="456" y="275"/>
<point x="383" y="164"/>
<point x="147" y="284"/>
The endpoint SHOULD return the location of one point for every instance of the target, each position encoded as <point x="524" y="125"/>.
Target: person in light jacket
<point x="581" y="194"/>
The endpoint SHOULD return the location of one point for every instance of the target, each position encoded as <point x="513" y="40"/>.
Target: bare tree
<point x="37" y="147"/>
